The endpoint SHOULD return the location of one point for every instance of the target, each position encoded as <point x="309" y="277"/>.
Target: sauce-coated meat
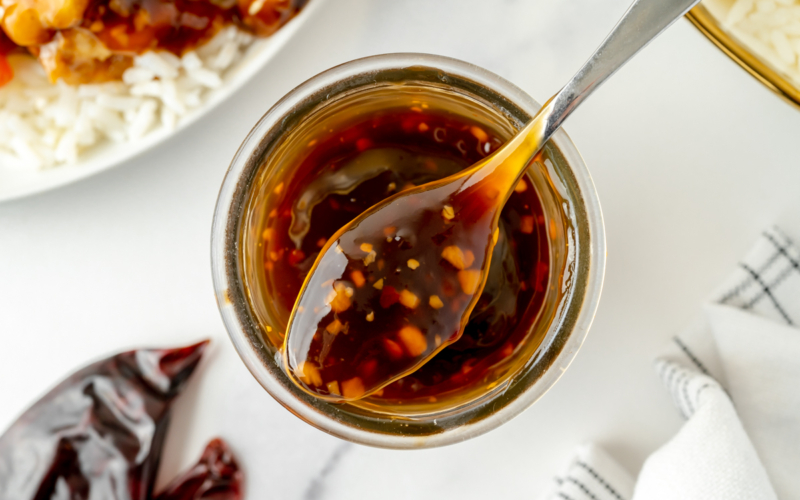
<point x="90" y="41"/>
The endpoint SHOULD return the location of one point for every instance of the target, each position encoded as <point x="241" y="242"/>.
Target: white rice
<point x="769" y="28"/>
<point x="44" y="125"/>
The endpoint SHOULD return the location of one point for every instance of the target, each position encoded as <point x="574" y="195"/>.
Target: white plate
<point x="16" y="182"/>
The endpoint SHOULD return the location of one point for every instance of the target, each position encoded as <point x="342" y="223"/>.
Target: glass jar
<point x="575" y="236"/>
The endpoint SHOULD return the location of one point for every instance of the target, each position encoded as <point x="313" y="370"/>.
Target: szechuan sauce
<point x="345" y="172"/>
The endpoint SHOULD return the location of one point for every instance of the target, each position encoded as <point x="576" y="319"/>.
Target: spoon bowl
<point x="394" y="287"/>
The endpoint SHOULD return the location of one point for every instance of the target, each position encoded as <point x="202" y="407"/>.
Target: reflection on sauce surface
<point x="344" y="171"/>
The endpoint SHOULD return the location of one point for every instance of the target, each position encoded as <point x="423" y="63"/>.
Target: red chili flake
<point x="458" y="378"/>
<point x="296" y="256"/>
<point x="449" y="288"/>
<point x="468" y="365"/>
<point x="539" y="282"/>
<point x="393" y="349"/>
<point x="389" y="296"/>
<point x="367" y="368"/>
<point x="363" y="144"/>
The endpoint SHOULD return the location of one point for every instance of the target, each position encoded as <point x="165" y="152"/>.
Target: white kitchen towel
<point x="735" y="376"/>
<point x="593" y="474"/>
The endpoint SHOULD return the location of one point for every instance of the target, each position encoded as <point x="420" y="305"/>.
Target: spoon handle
<point x="644" y="20"/>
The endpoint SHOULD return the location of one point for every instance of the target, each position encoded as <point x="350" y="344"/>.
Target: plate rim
<point x="244" y="71"/>
<point x="708" y="25"/>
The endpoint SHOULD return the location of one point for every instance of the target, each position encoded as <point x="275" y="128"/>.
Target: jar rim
<point x="233" y="304"/>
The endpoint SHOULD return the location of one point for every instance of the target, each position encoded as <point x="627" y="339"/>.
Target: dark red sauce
<point x="404" y="148"/>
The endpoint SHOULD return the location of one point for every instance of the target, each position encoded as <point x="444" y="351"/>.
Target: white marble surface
<point x="691" y="156"/>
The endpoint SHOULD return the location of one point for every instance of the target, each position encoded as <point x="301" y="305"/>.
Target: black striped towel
<point x="735" y="377"/>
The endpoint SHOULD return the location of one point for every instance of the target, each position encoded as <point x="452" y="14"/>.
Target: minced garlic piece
<point x="479" y="133"/>
<point x="448" y="212"/>
<point x="457" y="257"/>
<point x="335" y="326"/>
<point x="338" y="299"/>
<point x="408" y="299"/>
<point x="469" y="280"/>
<point x="333" y="388"/>
<point x="308" y="374"/>
<point x="413" y="340"/>
<point x="353" y="388"/>
<point x="370" y="258"/>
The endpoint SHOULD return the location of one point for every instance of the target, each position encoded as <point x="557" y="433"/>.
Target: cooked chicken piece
<point x="77" y="56"/>
<point x="30" y="22"/>
<point x="23" y="26"/>
<point x="93" y="41"/>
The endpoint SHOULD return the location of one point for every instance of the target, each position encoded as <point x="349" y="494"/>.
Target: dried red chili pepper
<point x="100" y="433"/>
<point x="215" y="477"/>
